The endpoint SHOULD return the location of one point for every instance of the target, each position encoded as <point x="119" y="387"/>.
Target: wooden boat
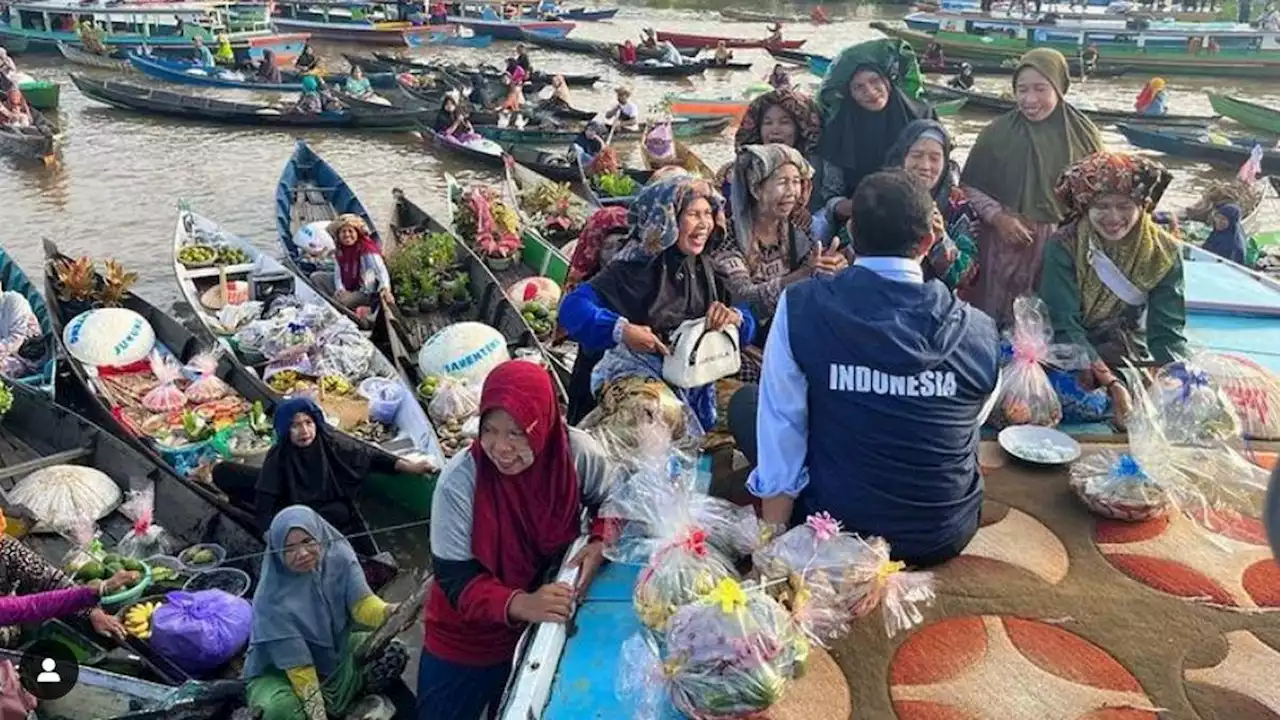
<point x="339" y="22"/>
<point x="185" y="72"/>
<point x="661" y="70"/>
<point x="1188" y="145"/>
<point x="587" y="15"/>
<point x="556" y="166"/>
<point x="40" y="141"/>
<point x="513" y="29"/>
<point x="1151" y="52"/>
<point x="598" y="48"/>
<point x="952" y="67"/>
<point x="696" y="107"/>
<point x="1249" y="114"/>
<point x="707" y="42"/>
<point x="76" y="56"/>
<point x="799" y="57"/>
<point x="682" y="127"/>
<point x="1232" y="309"/>
<point x="164" y="102"/>
<point x="490" y="304"/>
<point x="470" y="152"/>
<point x="13" y="278"/>
<point x="439" y="39"/>
<point x="415" y="437"/>
<point x="994" y="103"/>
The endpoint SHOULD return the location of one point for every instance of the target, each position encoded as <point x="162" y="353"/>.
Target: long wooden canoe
<point x="13" y="278"/>
<point x="1187" y="145"/>
<point x="77" y="56"/>
<point x="686" y="40"/>
<point x="39" y="141"/>
<point x="681" y="127"/>
<point x="995" y="103"/>
<point x="1249" y="114"/>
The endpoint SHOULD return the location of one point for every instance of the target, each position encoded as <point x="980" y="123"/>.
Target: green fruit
<point x="132" y="564"/>
<point x="161" y="573"/>
<point x="111" y="559"/>
<point x="203" y="556"/>
<point x="89" y="571"/>
<point x="112" y="569"/>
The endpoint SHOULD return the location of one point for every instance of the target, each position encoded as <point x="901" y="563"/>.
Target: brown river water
<point x="122" y="174"/>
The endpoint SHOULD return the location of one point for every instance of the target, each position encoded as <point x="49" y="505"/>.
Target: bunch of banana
<point x="137" y="620"/>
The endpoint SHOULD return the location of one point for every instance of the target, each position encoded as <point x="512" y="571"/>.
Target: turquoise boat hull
<point x="13" y="278"/>
<point x="1231" y="309"/>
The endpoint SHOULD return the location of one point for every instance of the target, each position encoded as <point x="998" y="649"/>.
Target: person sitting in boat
<point x="1113" y="278"/>
<point x="924" y="151"/>
<point x="768" y="247"/>
<point x="627" y="53"/>
<point x="306" y="61"/>
<point x="8" y="68"/>
<point x="1153" y="100"/>
<point x="505" y="512"/>
<point x="225" y="55"/>
<point x="933" y="58"/>
<point x="964" y="79"/>
<point x="649" y="38"/>
<point x="439" y="13"/>
<point x="590" y="142"/>
<point x="357" y="85"/>
<point x="786" y="117"/>
<point x="359" y="278"/>
<point x="14" y="110"/>
<point x="775" y="34"/>
<point x="522" y="59"/>
<point x="623" y="318"/>
<point x="560" y="98"/>
<point x="308" y="465"/>
<point x="268" y="69"/>
<point x="723" y="54"/>
<point x="875" y="385"/>
<point x="1228" y="238"/>
<point x="1039" y="139"/>
<point x="452" y="121"/>
<point x="1089" y="59"/>
<point x="865" y="111"/>
<point x="670" y="53"/>
<point x="1270" y="22"/>
<point x="624" y="115"/>
<point x="18" y="326"/>
<point x="602" y="236"/>
<point x="779" y="79"/>
<point x="309" y="102"/>
<point x="32" y="591"/>
<point x="204" y="57"/>
<point x="513" y="104"/>
<point x="311" y="595"/>
<point x="91" y="38"/>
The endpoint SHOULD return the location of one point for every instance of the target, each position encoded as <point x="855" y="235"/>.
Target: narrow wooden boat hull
<point x="394" y="34"/>
<point x="753" y="16"/>
<point x="1186" y="146"/>
<point x="38" y="142"/>
<point x="662" y="71"/>
<point x="77" y="56"/>
<point x="181" y="72"/>
<point x="444" y="39"/>
<point x="501" y="30"/>
<point x="682" y="128"/>
<point x="711" y="41"/>
<point x="13" y="278"/>
<point x="1246" y="113"/>
<point x="582" y="46"/>
<point x="436" y="140"/>
<point x="999" y="104"/>
<point x="555" y="166"/>
<point x="163" y="102"/>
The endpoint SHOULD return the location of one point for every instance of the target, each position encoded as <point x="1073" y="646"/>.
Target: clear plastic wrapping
<point x="729" y="654"/>
<point x="207" y="386"/>
<point x="455" y="400"/>
<point x="1026" y="395"/>
<point x="1115" y="485"/>
<point x="146" y="538"/>
<point x="1254" y="391"/>
<point x="1191" y="406"/>
<point x="233" y="317"/>
<point x="165" y="396"/>
<point x="288" y="342"/>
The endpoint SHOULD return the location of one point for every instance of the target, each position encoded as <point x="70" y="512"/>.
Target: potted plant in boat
<point x="499" y="249"/>
<point x="428" y="290"/>
<point x="401" y="266"/>
<point x="116" y="283"/>
<point x="77" y="283"/>
<point x="456" y="292"/>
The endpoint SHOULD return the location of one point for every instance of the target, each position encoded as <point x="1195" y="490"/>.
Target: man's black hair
<point x="892" y="213"/>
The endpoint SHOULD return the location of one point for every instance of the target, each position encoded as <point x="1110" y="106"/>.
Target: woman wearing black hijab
<point x="864" y="112"/>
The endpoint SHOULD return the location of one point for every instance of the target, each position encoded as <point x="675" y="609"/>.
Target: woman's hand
<point x="588" y="560"/>
<point x="939" y="224"/>
<point x="121" y="579"/>
<point x="831" y="260"/>
<point x="642" y="339"/>
<point x="1121" y="405"/>
<point x="552" y="602"/>
<point x="1011" y="229"/>
<point x="416" y="467"/>
<point x="106" y="625"/>
<point x="720" y="315"/>
<point x="387" y="298"/>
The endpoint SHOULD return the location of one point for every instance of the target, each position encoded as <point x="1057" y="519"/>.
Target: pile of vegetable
<point x="206" y="255"/>
<point x="199" y="557"/>
<point x="540" y="319"/>
<point x="109" y="565"/>
<point x="551" y="205"/>
<point x="615" y="185"/>
<point x="425" y="271"/>
<point x="482" y="218"/>
<point x="6" y="399"/>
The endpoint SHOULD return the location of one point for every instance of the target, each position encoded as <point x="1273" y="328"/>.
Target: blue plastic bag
<point x="1078" y="404"/>
<point x="201" y="631"/>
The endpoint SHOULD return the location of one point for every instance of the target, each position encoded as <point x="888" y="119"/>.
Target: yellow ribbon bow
<point x="887" y="568"/>
<point x="729" y="595"/>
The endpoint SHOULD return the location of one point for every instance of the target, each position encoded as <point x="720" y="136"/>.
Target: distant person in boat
<point x="590" y="142"/>
<point x="775" y="34"/>
<point x="32" y="591"/>
<point x="451" y="120"/>
<point x="225" y="55"/>
<point x="1010" y="175"/>
<point x="1113" y="278"/>
<point x="504" y="512"/>
<point x="649" y="38"/>
<point x="1089" y="60"/>
<point x="522" y="59"/>
<point x="359" y="278"/>
<point x="627" y="53"/>
<point x="513" y="104"/>
<point x="779" y="79"/>
<point x="357" y="85"/>
<point x="624" y="114"/>
<point x="1153" y="100"/>
<point x="865" y="111"/>
<point x="560" y="97"/>
<point x="875" y="385"/>
<point x="14" y="110"/>
<point x="439" y="13"/>
<point x="306" y="61"/>
<point x="964" y="79"/>
<point x="18" y="326"/>
<point x="723" y="54"/>
<point x="933" y="57"/>
<point x="268" y="69"/>
<point x="768" y="246"/>
<point x="310" y="101"/>
<point x="1270" y="22"/>
<point x="819" y="16"/>
<point x="623" y="318"/>
<point x="1228" y="238"/>
<point x="311" y="596"/>
<point x="308" y="465"/>
<point x="204" y="57"/>
<point x="924" y="151"/>
<point x="8" y="68"/>
<point x="91" y="38"/>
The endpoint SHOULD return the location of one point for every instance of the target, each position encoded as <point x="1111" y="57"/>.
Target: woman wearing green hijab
<point x="1042" y="137"/>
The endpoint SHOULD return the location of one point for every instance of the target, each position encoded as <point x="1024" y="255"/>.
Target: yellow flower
<point x="887" y="568"/>
<point x="729" y="595"/>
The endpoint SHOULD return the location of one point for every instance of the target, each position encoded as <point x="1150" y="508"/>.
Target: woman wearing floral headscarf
<point x="768" y="245"/>
<point x="1110" y="266"/>
<point x="601" y="238"/>
<point x="659" y="280"/>
<point x="785" y="117"/>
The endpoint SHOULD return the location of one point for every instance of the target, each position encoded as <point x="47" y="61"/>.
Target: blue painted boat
<point x="307" y="172"/>
<point x="1232" y="309"/>
<point x="513" y="29"/>
<point x="585" y="15"/>
<point x="13" y="278"/>
<point x="472" y="41"/>
<point x="819" y="65"/>
<point x="187" y="72"/>
<point x="1193" y="146"/>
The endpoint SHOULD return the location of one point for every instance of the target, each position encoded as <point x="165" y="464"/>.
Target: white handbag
<point x="700" y="356"/>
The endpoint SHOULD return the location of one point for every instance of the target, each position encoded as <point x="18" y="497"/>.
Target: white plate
<point x="1021" y="441"/>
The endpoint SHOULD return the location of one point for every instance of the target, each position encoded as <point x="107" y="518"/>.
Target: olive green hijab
<point x="1041" y="149"/>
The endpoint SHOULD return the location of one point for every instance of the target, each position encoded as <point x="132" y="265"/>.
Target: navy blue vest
<point x="898" y="374"/>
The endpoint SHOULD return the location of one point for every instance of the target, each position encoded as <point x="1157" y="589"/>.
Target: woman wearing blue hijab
<point x="311" y="593"/>
<point x="1227" y="239"/>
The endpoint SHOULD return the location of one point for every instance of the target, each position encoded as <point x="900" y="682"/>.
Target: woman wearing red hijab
<point x="359" y="274"/>
<point x="501" y="515"/>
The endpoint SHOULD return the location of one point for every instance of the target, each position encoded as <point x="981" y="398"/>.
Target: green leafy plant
<point x="77" y="279"/>
<point x="6" y="399"/>
<point x="439" y="250"/>
<point x="116" y="283"/>
<point x="616" y="185"/>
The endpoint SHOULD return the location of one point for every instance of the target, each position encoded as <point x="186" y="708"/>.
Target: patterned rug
<point x="1054" y="614"/>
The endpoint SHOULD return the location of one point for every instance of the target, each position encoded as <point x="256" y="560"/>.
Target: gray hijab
<point x="302" y="619"/>
<point x="754" y="165"/>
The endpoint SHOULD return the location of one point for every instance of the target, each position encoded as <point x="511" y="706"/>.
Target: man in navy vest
<point x="875" y="385"/>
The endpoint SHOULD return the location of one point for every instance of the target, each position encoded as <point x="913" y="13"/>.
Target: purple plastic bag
<point x="201" y="631"/>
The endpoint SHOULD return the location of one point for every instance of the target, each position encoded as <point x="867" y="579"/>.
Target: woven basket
<point x="1114" y="508"/>
<point x="349" y="410"/>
